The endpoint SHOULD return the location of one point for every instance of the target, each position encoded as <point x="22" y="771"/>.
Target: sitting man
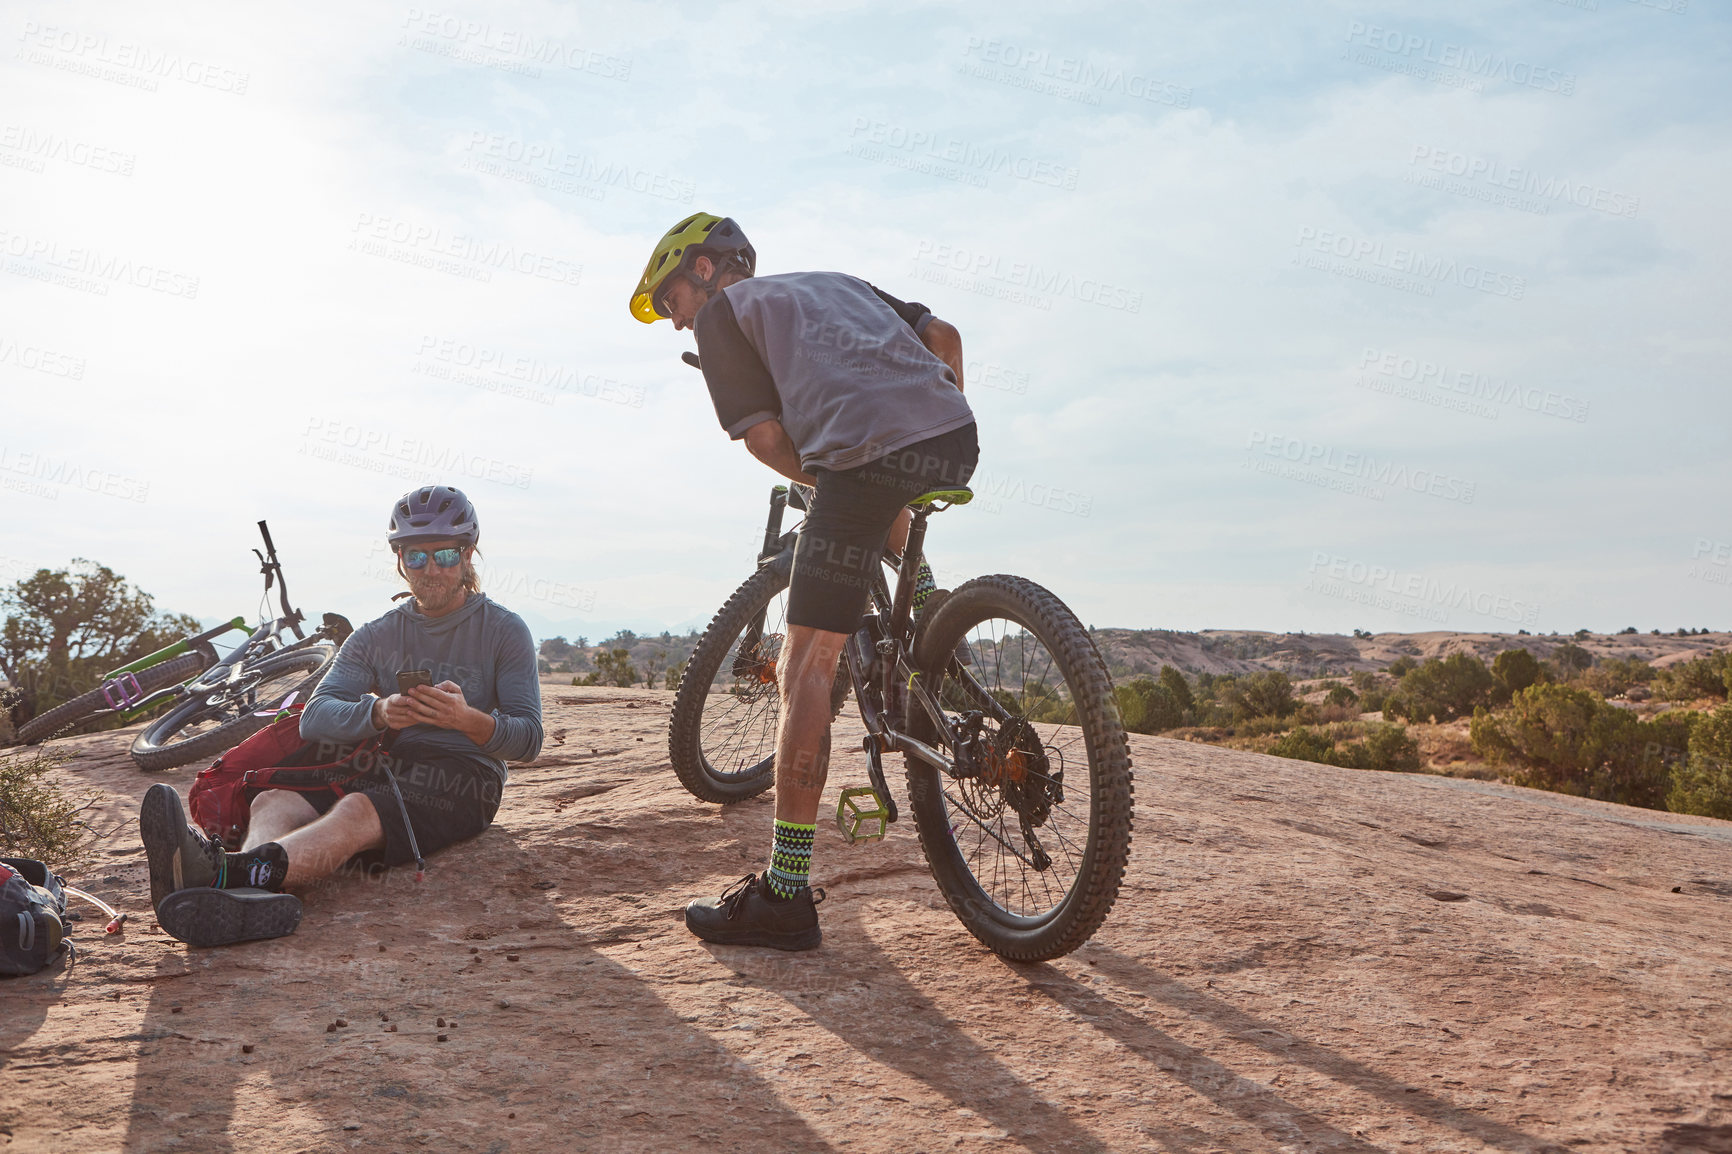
<point x="448" y="743"/>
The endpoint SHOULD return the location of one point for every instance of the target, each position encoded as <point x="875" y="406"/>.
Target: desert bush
<point x="1175" y="683"/>
<point x="613" y="667"/>
<point x="1708" y="676"/>
<point x="37" y="818"/>
<point x="1703" y="783"/>
<point x="1515" y="670"/>
<point x="1613" y="677"/>
<point x="1401" y="667"/>
<point x="1341" y="695"/>
<point x="1571" y="658"/>
<point x="1148" y="706"/>
<point x="1570" y="741"/>
<point x="1268" y="693"/>
<point x="1384" y="747"/>
<point x="1441" y="690"/>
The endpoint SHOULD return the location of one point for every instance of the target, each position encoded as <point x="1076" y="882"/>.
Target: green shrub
<point x="1571" y="658"/>
<point x="1147" y="706"/>
<point x="1709" y="676"/>
<point x="1571" y="741"/>
<point x="1703" y="783"/>
<point x="37" y="818"/>
<point x="1175" y="683"/>
<point x="1613" y="677"/>
<point x="1441" y="690"/>
<point x="1515" y="670"/>
<point x="1341" y="695"/>
<point x="1268" y="693"/>
<point x="1384" y="747"/>
<point x="1401" y="667"/>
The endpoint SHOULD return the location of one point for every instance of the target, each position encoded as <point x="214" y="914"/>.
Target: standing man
<point x="449" y="740"/>
<point x="835" y="384"/>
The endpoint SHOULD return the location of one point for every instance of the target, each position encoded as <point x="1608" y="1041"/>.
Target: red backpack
<point x="273" y="758"/>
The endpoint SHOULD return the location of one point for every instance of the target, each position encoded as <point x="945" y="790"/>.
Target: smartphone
<point x="408" y="679"/>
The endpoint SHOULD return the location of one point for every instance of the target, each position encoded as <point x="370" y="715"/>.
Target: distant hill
<point x="1130" y="652"/>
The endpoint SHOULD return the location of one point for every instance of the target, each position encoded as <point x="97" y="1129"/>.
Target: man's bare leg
<point x="806" y="672"/>
<point x="316" y="846"/>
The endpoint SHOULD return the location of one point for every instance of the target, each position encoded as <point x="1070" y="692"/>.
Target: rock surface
<point x="1302" y="958"/>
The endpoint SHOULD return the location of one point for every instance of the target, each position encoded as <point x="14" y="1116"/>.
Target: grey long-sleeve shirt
<point x="482" y="646"/>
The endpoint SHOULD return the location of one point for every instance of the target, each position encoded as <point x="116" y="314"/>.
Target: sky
<point x="1298" y="316"/>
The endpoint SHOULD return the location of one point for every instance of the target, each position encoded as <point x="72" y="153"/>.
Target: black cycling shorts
<point x="449" y="799"/>
<point x="842" y="540"/>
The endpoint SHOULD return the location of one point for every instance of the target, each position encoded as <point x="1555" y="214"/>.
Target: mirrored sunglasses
<point x="446" y="558"/>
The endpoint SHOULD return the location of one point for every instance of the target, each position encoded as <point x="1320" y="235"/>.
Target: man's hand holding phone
<point x="419" y="702"/>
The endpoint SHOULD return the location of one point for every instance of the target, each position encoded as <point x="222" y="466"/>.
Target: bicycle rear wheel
<point x="208" y="725"/>
<point x="1029" y="833"/>
<point x="722" y="733"/>
<point x="69" y="713"/>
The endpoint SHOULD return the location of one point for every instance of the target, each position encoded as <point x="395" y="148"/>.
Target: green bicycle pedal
<point x="857" y="822"/>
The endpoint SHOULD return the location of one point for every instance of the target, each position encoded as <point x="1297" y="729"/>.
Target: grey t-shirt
<point x="482" y="646"/>
<point x="833" y="359"/>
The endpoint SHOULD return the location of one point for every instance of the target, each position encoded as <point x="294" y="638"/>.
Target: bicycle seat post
<point x="905" y="576"/>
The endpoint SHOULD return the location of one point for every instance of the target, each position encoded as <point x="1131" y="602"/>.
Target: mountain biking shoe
<point x="213" y="917"/>
<point x="746" y="915"/>
<point x="180" y="856"/>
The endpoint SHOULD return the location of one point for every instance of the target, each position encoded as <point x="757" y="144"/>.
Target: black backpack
<point x="32" y="916"/>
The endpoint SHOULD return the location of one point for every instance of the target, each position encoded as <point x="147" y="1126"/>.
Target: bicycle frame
<point x="880" y="654"/>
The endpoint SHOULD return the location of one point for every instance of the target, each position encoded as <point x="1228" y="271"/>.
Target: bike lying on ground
<point x="1018" y="773"/>
<point x="219" y="698"/>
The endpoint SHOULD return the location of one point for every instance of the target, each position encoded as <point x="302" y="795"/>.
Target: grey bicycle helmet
<point x="432" y="513"/>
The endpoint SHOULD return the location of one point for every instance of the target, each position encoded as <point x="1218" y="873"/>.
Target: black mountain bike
<point x="232" y="698"/>
<point x="1018" y="773"/>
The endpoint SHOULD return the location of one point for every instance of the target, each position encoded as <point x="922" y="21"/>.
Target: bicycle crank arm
<point x="902" y="743"/>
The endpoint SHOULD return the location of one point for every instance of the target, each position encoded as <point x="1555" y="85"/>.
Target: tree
<point x="1515" y="670"/>
<point x="612" y="667"/>
<point x="1401" y="667"/>
<point x="653" y="665"/>
<point x="66" y="627"/>
<point x="1267" y="693"/>
<point x="1703" y="784"/>
<point x="1571" y="658"/>
<point x="1175" y="683"/>
<point x="1148" y="706"/>
<point x="1441" y="690"/>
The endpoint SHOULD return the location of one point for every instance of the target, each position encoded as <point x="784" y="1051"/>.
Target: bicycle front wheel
<point x="69" y="713"/>
<point x="209" y="725"/>
<point x="1029" y="832"/>
<point x="722" y="734"/>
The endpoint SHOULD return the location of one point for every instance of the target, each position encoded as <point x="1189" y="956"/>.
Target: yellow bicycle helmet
<point x="701" y="234"/>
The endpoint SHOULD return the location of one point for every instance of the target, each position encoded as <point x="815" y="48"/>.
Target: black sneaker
<point x="212" y="917"/>
<point x="746" y="915"/>
<point x="180" y="856"/>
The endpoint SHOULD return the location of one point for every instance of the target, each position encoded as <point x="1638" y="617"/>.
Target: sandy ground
<point x="1302" y="958"/>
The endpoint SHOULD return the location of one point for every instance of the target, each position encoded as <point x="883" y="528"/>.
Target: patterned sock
<point x="924" y="586"/>
<point x="263" y="868"/>
<point x="790" y="858"/>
